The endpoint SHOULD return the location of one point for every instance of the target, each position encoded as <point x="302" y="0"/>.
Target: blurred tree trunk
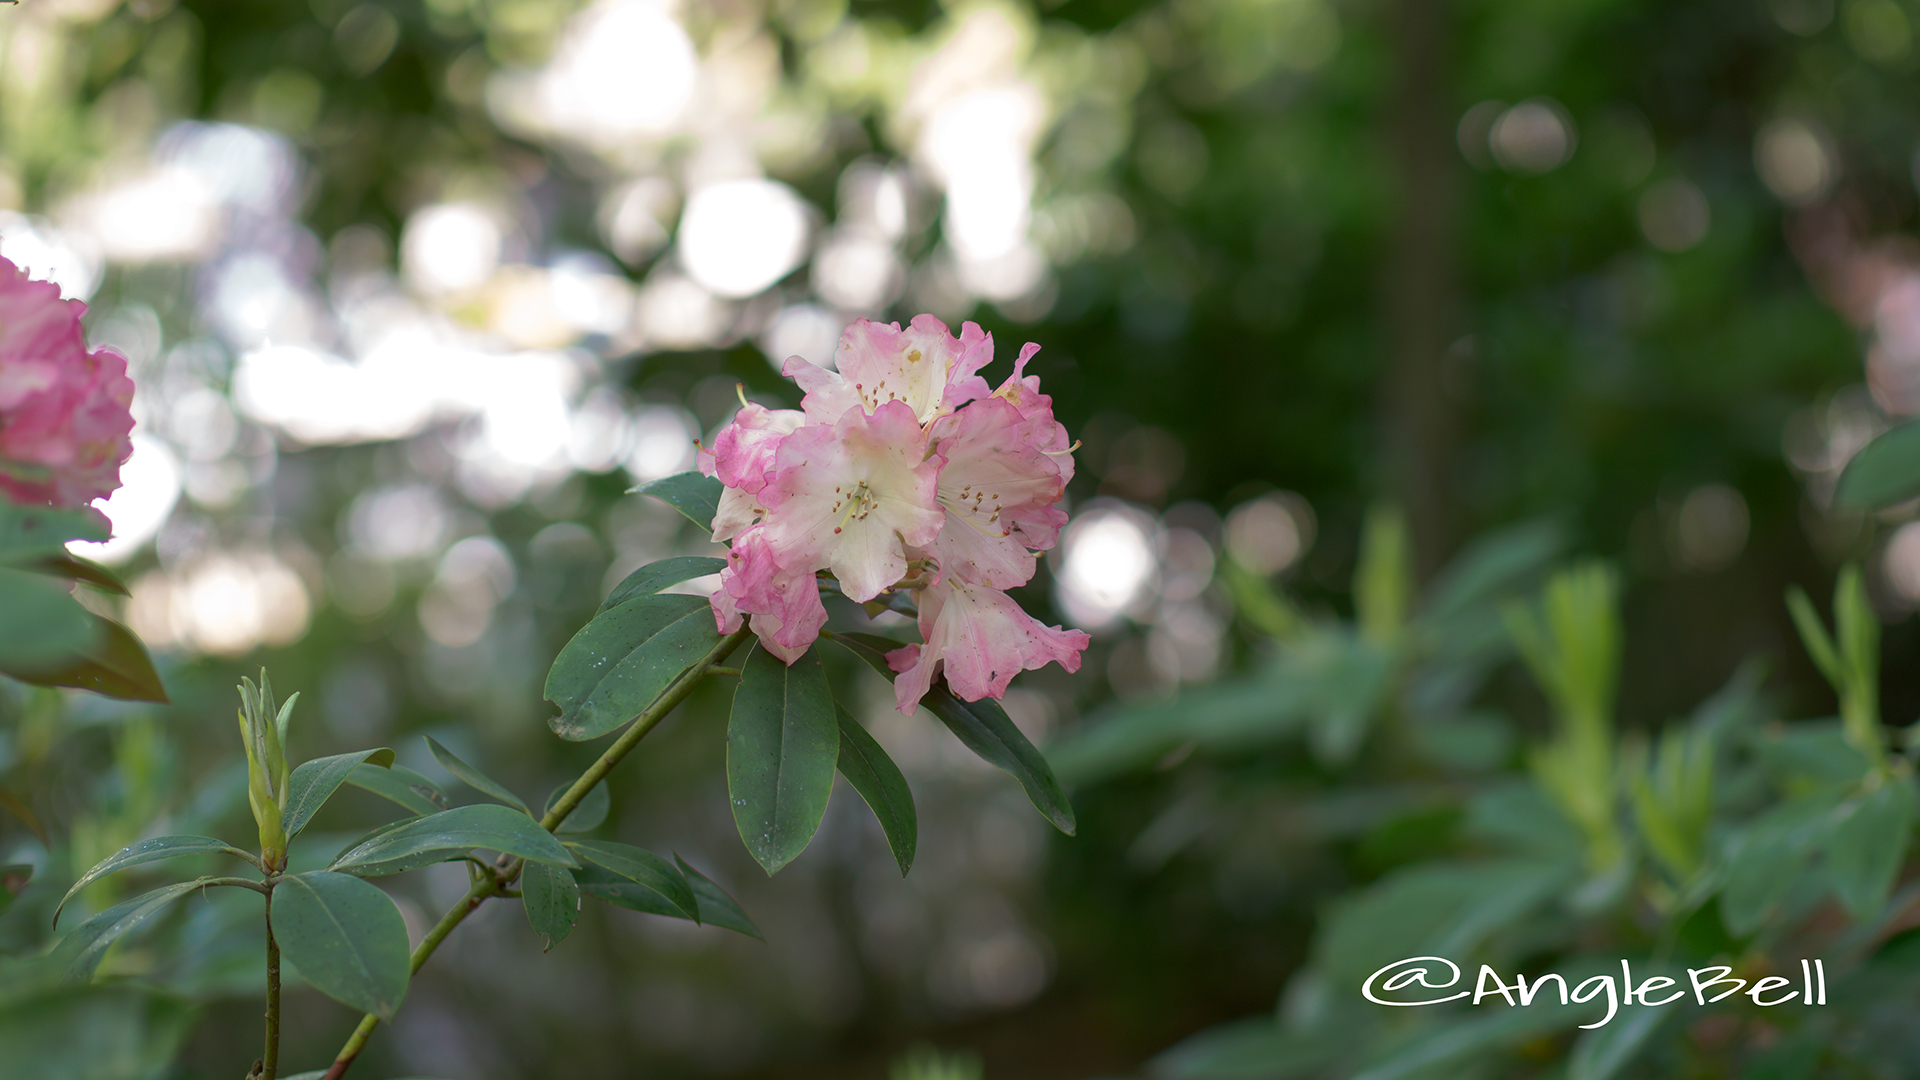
<point x="1418" y="411"/>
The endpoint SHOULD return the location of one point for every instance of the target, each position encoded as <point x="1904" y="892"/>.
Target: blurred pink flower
<point x="65" y="413"/>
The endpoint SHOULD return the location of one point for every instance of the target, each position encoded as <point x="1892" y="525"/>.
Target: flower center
<point x="857" y="504"/>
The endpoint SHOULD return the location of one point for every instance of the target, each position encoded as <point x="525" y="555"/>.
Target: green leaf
<point x="782" y="745"/>
<point x="401" y="785"/>
<point x="696" y="497"/>
<point x="716" y="907"/>
<point x="1884" y="472"/>
<point x="115" y="665"/>
<point x="146" y="851"/>
<point x="874" y="775"/>
<point x="472" y="777"/>
<point x="1600" y="1053"/>
<point x="80" y="952"/>
<point x="552" y="901"/>
<point x="74" y="568"/>
<point x="31" y="532"/>
<point x="642" y="868"/>
<point x="1446" y="1049"/>
<point x="1443" y="909"/>
<point x="41" y="624"/>
<point x="653" y="577"/>
<point x="314" y="782"/>
<point x="620" y="662"/>
<point x="1768" y="857"/>
<point x="588" y="815"/>
<point x="453" y="832"/>
<point x="1247" y="1050"/>
<point x="1868" y="845"/>
<point x="122" y="1032"/>
<point x="346" y="937"/>
<point x="987" y="731"/>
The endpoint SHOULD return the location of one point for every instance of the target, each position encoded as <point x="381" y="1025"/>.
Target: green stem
<point x="270" y="1058"/>
<point x="495" y="883"/>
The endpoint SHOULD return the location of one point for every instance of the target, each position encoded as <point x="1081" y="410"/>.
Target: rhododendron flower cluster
<point x="65" y="413"/>
<point x="901" y="470"/>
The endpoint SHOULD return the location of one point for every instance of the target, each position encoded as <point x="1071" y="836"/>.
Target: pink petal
<point x="850" y="497"/>
<point x="65" y="413"/>
<point x="980" y="638"/>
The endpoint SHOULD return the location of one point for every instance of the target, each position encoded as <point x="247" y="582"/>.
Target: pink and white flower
<point x="65" y="413"/>
<point x="901" y="460"/>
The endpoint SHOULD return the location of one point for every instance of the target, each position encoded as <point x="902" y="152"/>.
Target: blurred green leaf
<point x="32" y="532"/>
<point x="1383" y="582"/>
<point x="74" y="568"/>
<point x="401" y="785"/>
<point x="346" y="937"/>
<point x="643" y="868"/>
<point x="655" y="576"/>
<point x="1489" y="568"/>
<point x="315" y="781"/>
<point x="874" y="775"/>
<point x="1884" y="472"/>
<point x="588" y="815"/>
<point x="1256" y="1049"/>
<point x="1438" y="909"/>
<point x="1765" y="859"/>
<point x="14" y="878"/>
<point x="115" y="665"/>
<point x="696" y="497"/>
<point x="453" y="832"/>
<point x="80" y="952"/>
<point x="1449" y="1048"/>
<point x="146" y="851"/>
<point x="473" y="777"/>
<point x="620" y="662"/>
<point x="1601" y="1053"/>
<point x="121" y="1032"/>
<point x="41" y="624"/>
<point x="782" y="747"/>
<point x="1869" y="843"/>
<point x="552" y="901"/>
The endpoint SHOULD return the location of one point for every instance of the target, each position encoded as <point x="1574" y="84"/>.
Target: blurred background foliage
<point x="414" y="291"/>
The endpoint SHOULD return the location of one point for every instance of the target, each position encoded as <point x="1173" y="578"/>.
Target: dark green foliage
<point x="346" y="937"/>
<point x="783" y="745"/>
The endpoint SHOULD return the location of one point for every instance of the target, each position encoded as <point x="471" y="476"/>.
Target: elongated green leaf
<point x="452" y="832"/>
<point x="401" y="785"/>
<point x="782" y="746"/>
<point x="552" y="901"/>
<point x="987" y="731"/>
<point x="620" y="662"/>
<point x="1884" y="472"/>
<point x="30" y="532"/>
<point x="346" y="937"/>
<point x="314" y="782"/>
<point x="146" y="851"/>
<point x="716" y="907"/>
<point x="587" y="816"/>
<point x="874" y="775"/>
<point x="41" y="624"/>
<point x="643" y="868"/>
<point x="1869" y="844"/>
<point x="653" y="577"/>
<point x="115" y="665"/>
<point x="696" y="497"/>
<point x="74" y="568"/>
<point x="80" y="952"/>
<point x="472" y="777"/>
